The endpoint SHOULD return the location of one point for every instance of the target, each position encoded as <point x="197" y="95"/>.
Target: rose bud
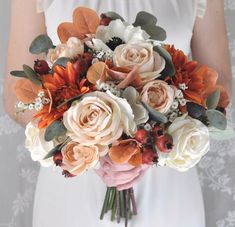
<point x="105" y="20"/>
<point x="148" y="155"/>
<point x="57" y="158"/>
<point x="41" y="67"/>
<point x="158" y="131"/>
<point x="165" y="143"/>
<point x="142" y="136"/>
<point x="67" y="174"/>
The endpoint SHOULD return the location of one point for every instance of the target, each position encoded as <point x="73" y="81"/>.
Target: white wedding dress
<point x="165" y="197"/>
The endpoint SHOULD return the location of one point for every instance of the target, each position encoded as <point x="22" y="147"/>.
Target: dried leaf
<point x="136" y="159"/>
<point x="26" y="91"/>
<point x="95" y="71"/>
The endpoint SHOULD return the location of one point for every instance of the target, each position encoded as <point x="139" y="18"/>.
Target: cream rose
<point x="159" y="95"/>
<point x="36" y="144"/>
<point x="77" y="157"/>
<point x="99" y="118"/>
<point x="191" y="142"/>
<point x="140" y="54"/>
<point x="71" y="49"/>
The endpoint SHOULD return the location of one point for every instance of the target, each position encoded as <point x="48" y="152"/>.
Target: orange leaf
<point x="66" y="30"/>
<point x="26" y="91"/>
<point x="95" y="71"/>
<point x="123" y="151"/>
<point x="85" y="20"/>
<point x="136" y="159"/>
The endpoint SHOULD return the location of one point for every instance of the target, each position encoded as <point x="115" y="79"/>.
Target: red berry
<point x="87" y="58"/>
<point x="41" y="67"/>
<point x="58" y="158"/>
<point x="148" y="155"/>
<point x="142" y="136"/>
<point x="80" y="65"/>
<point x="158" y="131"/>
<point x="165" y="143"/>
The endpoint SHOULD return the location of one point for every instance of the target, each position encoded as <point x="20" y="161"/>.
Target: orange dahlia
<point x="200" y="80"/>
<point x="61" y="86"/>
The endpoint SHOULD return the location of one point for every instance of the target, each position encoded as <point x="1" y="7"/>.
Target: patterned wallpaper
<point x="18" y="177"/>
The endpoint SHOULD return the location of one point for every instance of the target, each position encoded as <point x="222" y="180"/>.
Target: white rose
<point x="140" y="54"/>
<point x="191" y="143"/>
<point x="36" y="144"/>
<point x="71" y="49"/>
<point x="99" y="118"/>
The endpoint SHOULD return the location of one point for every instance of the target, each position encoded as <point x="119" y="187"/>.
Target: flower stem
<point x="134" y="206"/>
<point x="105" y="204"/>
<point x="118" y="207"/>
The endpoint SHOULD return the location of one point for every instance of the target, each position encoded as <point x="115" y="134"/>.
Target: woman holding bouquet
<point x="165" y="197"/>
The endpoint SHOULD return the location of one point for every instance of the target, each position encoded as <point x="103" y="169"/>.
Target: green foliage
<point x="213" y="100"/>
<point x="113" y="15"/>
<point x="195" y="110"/>
<point x="55" y="130"/>
<point x="216" y="119"/>
<point x="41" y="44"/>
<point x="18" y="73"/>
<point x="31" y="75"/>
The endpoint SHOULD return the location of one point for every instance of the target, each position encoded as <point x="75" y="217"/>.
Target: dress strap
<point x="201" y="8"/>
<point x="43" y="5"/>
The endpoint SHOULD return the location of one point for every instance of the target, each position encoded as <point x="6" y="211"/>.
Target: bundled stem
<point x="121" y="204"/>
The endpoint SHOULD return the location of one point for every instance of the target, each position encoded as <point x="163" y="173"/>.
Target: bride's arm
<point x="210" y="43"/>
<point x="25" y="25"/>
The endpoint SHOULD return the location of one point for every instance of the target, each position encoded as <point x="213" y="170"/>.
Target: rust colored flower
<point x="63" y="85"/>
<point x="126" y="151"/>
<point x="200" y="80"/>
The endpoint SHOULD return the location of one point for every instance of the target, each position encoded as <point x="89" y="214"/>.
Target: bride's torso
<point x="175" y="16"/>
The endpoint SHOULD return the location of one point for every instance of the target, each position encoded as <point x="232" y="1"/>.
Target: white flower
<point x="36" y="144"/>
<point x="191" y="143"/>
<point x="116" y="29"/>
<point x="140" y="113"/>
<point x="71" y="49"/>
<point x="179" y="94"/>
<point x="99" y="118"/>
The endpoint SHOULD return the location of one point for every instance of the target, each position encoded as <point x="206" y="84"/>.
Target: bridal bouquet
<point x="114" y="89"/>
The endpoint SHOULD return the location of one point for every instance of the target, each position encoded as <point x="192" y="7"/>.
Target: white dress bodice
<point x="165" y="198"/>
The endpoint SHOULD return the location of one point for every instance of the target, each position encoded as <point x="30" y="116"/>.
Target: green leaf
<point x="154" y="115"/>
<point x="53" y="151"/>
<point x="213" y="100"/>
<point x="18" y="73"/>
<point x="41" y="44"/>
<point x="31" y="75"/>
<point x="113" y="15"/>
<point x="216" y="119"/>
<point x="55" y="130"/>
<point x="155" y="32"/>
<point x="195" y="110"/>
<point x="169" y="68"/>
<point x="61" y="61"/>
<point x="144" y="18"/>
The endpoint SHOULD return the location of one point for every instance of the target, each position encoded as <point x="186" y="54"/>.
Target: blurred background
<point x="18" y="174"/>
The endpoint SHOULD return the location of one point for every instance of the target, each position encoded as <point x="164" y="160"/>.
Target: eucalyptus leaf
<point x="216" y="119"/>
<point x="53" y="151"/>
<point x="213" y="100"/>
<point x="155" y="32"/>
<point x="18" y="73"/>
<point x="144" y="18"/>
<point x="55" y="130"/>
<point x="114" y="15"/>
<point x="169" y="68"/>
<point x="31" y="75"/>
<point x="195" y="110"/>
<point x="41" y="44"/>
<point x="154" y="115"/>
<point x="61" y="61"/>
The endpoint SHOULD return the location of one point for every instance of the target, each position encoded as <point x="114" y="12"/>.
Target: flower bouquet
<point x="114" y="89"/>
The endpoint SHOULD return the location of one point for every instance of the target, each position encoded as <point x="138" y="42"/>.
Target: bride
<point x="165" y="197"/>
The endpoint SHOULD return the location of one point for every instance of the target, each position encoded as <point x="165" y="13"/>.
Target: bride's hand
<point x="122" y="176"/>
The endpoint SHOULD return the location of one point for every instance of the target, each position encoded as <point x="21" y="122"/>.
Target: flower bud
<point x="142" y="136"/>
<point x="148" y="155"/>
<point x="41" y="67"/>
<point x="164" y="143"/>
<point x="57" y="158"/>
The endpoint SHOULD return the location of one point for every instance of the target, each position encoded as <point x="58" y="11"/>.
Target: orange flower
<point x="200" y="79"/>
<point x="126" y="151"/>
<point x="63" y="85"/>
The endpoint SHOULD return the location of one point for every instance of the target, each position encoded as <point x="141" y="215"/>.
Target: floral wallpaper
<point x="19" y="176"/>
